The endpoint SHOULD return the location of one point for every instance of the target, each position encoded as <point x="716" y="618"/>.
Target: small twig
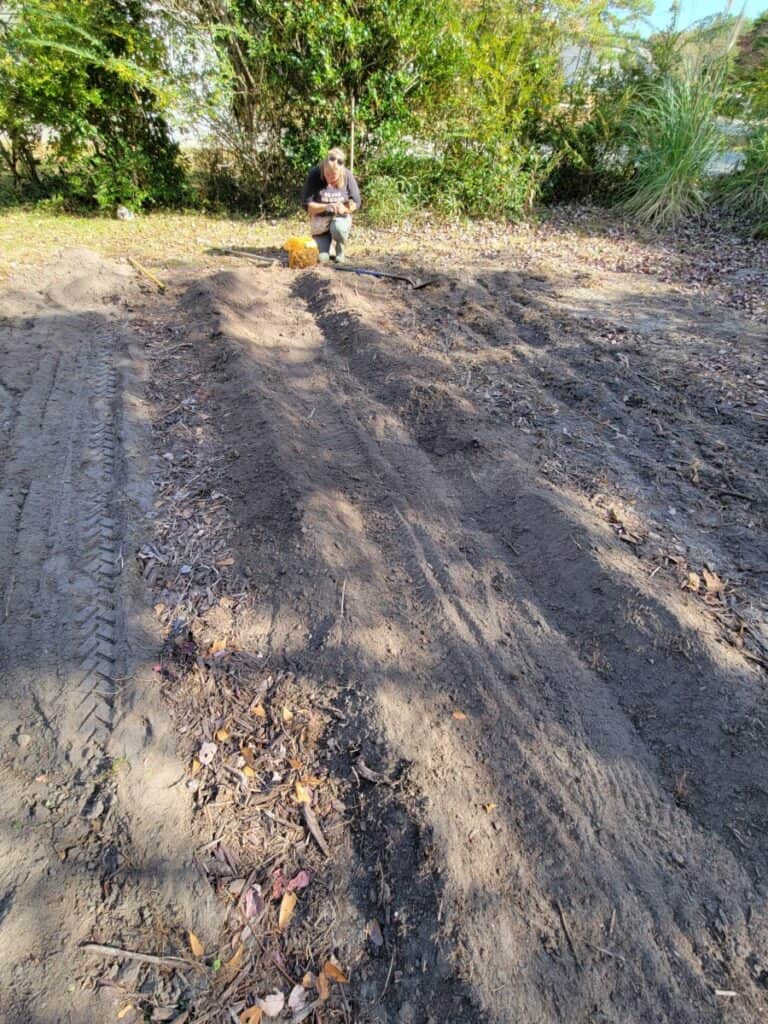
<point x="600" y="949"/>
<point x="389" y="972"/>
<point x="737" y="835"/>
<point x="567" y="933"/>
<point x="213" y="842"/>
<point x="144" y="958"/>
<point x="736" y="494"/>
<point x="343" y="592"/>
<point x="147" y="273"/>
<point x="314" y="828"/>
<point x="246" y="255"/>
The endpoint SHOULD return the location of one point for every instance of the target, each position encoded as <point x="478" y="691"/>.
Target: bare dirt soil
<point x="432" y="622"/>
<point x="94" y="844"/>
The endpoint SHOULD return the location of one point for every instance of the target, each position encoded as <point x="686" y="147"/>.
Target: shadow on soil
<point x="588" y="696"/>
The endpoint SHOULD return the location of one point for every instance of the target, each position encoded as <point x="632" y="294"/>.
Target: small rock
<point x="164" y="1013"/>
<point x="407" y="1014"/>
<point x="23" y="740"/>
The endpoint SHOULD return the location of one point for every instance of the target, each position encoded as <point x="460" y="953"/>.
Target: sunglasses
<point x="336" y="160"/>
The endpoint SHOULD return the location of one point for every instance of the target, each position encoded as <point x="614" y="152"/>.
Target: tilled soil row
<point x="321" y="866"/>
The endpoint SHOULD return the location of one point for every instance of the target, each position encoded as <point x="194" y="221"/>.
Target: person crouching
<point x="331" y="195"/>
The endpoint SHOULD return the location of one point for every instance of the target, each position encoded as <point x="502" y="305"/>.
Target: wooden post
<point x="352" y="136"/>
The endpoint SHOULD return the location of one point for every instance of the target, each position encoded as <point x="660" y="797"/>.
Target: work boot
<point x="340" y="257"/>
<point x="323" y="257"/>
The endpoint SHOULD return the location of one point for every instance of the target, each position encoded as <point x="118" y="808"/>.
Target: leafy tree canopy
<point x="80" y="86"/>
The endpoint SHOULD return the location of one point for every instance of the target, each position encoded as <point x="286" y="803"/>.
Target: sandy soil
<point x="506" y="533"/>
<point x="93" y="843"/>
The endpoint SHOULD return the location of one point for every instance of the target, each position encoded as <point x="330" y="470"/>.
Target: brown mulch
<point x="256" y="742"/>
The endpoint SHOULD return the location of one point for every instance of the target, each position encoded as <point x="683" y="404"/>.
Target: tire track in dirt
<point x="99" y="546"/>
<point x="439" y="616"/>
<point x="73" y="848"/>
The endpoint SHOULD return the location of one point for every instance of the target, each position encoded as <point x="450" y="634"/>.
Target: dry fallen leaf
<point x="297" y="1000"/>
<point x="368" y="773"/>
<point x="323" y="986"/>
<point x="692" y="582"/>
<point x="273" y="1004"/>
<point x="196" y="945"/>
<point x="489" y="807"/>
<point x="303" y="794"/>
<point x="218" y="645"/>
<point x="248" y="771"/>
<point x="287" y="715"/>
<point x="334" y="973"/>
<point x="299" y="881"/>
<point x="252" y="1015"/>
<point x="253" y="903"/>
<point x="196" y="766"/>
<point x="712" y="581"/>
<point x="287" y="907"/>
<point x="125" y="1011"/>
<point x="279" y="885"/>
<point x="222" y="735"/>
<point x="235" y="962"/>
<point x="259" y="711"/>
<point x="459" y="716"/>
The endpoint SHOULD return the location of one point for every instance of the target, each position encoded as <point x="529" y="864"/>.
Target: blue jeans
<point x="339" y="230"/>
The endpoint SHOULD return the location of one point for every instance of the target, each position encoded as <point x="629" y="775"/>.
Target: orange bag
<point x="302" y="251"/>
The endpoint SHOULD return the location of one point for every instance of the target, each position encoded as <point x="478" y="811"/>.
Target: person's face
<point x="335" y="167"/>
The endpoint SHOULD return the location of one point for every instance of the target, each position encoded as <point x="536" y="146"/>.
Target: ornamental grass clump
<point x="672" y="135"/>
<point x="744" y="194"/>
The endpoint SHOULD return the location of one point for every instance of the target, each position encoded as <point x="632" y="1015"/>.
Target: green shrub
<point x="386" y="201"/>
<point x="465" y="180"/>
<point x="672" y="136"/>
<point x="55" y="204"/>
<point x="744" y="194"/>
<point x="589" y="159"/>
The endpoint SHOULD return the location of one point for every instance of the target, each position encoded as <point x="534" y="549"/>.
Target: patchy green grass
<point x="32" y="236"/>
